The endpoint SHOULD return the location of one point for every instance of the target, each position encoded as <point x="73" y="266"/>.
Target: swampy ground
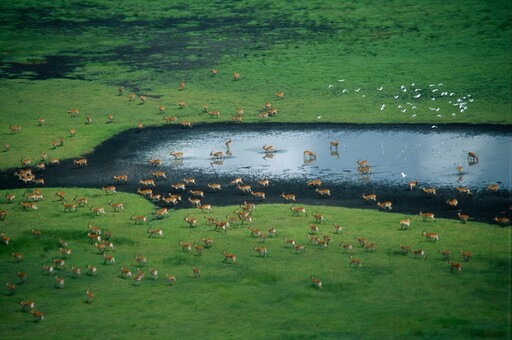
<point x="354" y="62"/>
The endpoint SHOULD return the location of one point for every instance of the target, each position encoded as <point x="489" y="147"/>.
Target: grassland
<point x="390" y="295"/>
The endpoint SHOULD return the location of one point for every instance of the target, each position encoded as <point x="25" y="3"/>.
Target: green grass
<point x="391" y="295"/>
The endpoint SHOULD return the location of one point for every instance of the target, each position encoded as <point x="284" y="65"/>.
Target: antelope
<point x="296" y="210"/>
<point x="196" y="272"/>
<point x="236" y="182"/>
<point x="431" y="237"/>
<point x="334" y="144"/>
<point x="426" y="216"/>
<point x="445" y="254"/>
<point x="143" y="99"/>
<point x="110" y="118"/>
<point x="365" y="170"/>
<point x="182" y="104"/>
<point x="362" y="163"/>
<point x="362" y="241"/>
<point x="288" y="197"/>
<point x="98" y="211"/>
<point x="404" y="249"/>
<point x="354" y="262"/>
<point x="179" y="186"/>
<point x="460" y="169"/>
<point x="405" y="224"/>
<point x="313" y="239"/>
<point x="89" y="296"/>
<point x="155" y="232"/>
<point x="125" y="273"/>
<point x="299" y="249"/>
<point x="93" y="237"/>
<point x="88" y="119"/>
<point x="263" y="115"/>
<point x="466" y="255"/>
<point x="108" y="259"/>
<point x="138" y="277"/>
<point x="61" y="195"/>
<point x="314" y="183"/>
<point x="63" y="243"/>
<point x="472" y="157"/>
<point x="27" y="305"/>
<point x="154" y="162"/>
<point x="59" y="282"/>
<point x="170" y="119"/>
<point x="502" y="221"/>
<point x="429" y="191"/>
<point x="160" y="213"/>
<point x="47" y="269"/>
<point x="82" y="202"/>
<point x="262" y="251"/>
<point x="76" y="272"/>
<point x="158" y="175"/>
<point x="69" y="207"/>
<point x="177" y="154"/>
<point x="214" y="113"/>
<point x="17" y="257"/>
<point x="36" y="233"/>
<point x="131" y="96"/>
<point x="186" y="124"/>
<point x="139" y="219"/>
<point x="214" y="72"/>
<point x="492" y="187"/>
<point x="7" y="147"/>
<point x="54" y="161"/>
<point x="309" y="154"/>
<point x="236" y="76"/>
<point x="288" y="242"/>
<point x="419" y="253"/>
<point x="25" y="162"/>
<point x="5" y="239"/>
<point x="208" y="242"/>
<point x="205" y="208"/>
<point x="171" y="280"/>
<point x="455" y="267"/>
<point x="66" y="252"/>
<point x="147" y="182"/>
<point x="464" y="218"/>
<point x="316" y="282"/>
<point x="323" y="192"/>
<point x="272" y="232"/>
<point x="9" y="197"/>
<point x="40" y="166"/>
<point x="245" y="188"/>
<point x="153" y="272"/>
<point x="370" y="197"/>
<point x="101" y="248"/>
<point x="199" y="249"/>
<point x="38" y="316"/>
<point x="269" y="148"/>
<point x="385" y="205"/>
<point x="258" y="195"/>
<point x="144" y="192"/>
<point x="109" y="190"/>
<point x="338" y="229"/>
<point x="192" y="222"/>
<point x="72" y="132"/>
<point x="55" y="144"/>
<point x="91" y="270"/>
<point x="346" y="247"/>
<point x="217" y="155"/>
<point x="182" y="86"/>
<point x="73" y="112"/>
<point x="3" y="215"/>
<point x="228" y="256"/>
<point x="15" y="129"/>
<point x="370" y="247"/>
<point x="185" y="246"/>
<point x="221" y="225"/>
<point x="41" y="121"/>
<point x="464" y="190"/>
<point x="453" y="202"/>
<point x="279" y="95"/>
<point x="80" y="162"/>
<point x="141" y="260"/>
<point x="29" y="205"/>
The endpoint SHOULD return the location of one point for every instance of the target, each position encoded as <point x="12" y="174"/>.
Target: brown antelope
<point x="172" y="199"/>
<point x="93" y="238"/>
<point x="455" y="267"/>
<point x="9" y="197"/>
<point x="18" y="257"/>
<point x="139" y="219"/>
<point x="431" y="237"/>
<point x="316" y="282"/>
<point x="109" y="190"/>
<point x="88" y="119"/>
<point x="463" y="217"/>
<point x="288" y="242"/>
<point x="195" y="201"/>
<point x="446" y="254"/>
<point x="258" y="195"/>
<point x="404" y="249"/>
<point x="262" y="251"/>
<point x="82" y="201"/>
<point x="354" y="262"/>
<point x="405" y="224"/>
<point x="214" y="72"/>
<point x="299" y="249"/>
<point x="228" y="256"/>
<point x="161" y="109"/>
<point x="369" y="198"/>
<point x="338" y="229"/>
<point x="15" y="129"/>
<point x="179" y="186"/>
<point x="170" y="119"/>
<point x="41" y="121"/>
<point x="29" y="205"/>
<point x="7" y="147"/>
<point x="237" y="119"/>
<point x="460" y="169"/>
<point x="98" y="211"/>
<point x="387" y="205"/>
<point x="502" y="221"/>
<point x="217" y="155"/>
<point x="154" y="162"/>
<point x="296" y="210"/>
<point x="323" y="192"/>
<point x="464" y="190"/>
<point x="362" y="241"/>
<point x="59" y="282"/>
<point x="346" y="247"/>
<point x="125" y="273"/>
<point x="25" y="162"/>
<point x="205" y="208"/>
<point x="419" y="253"/>
<point x="182" y="104"/>
<point x="365" y="170"/>
<point x="89" y="296"/>
<point x="121" y="178"/>
<point x="314" y="183"/>
<point x="492" y="187"/>
<point x="186" y="124"/>
<point x="288" y="197"/>
<point x="214" y="113"/>
<point x="453" y="202"/>
<point x="236" y="182"/>
<point x="263" y="115"/>
<point x="196" y="272"/>
<point x="185" y="246"/>
<point x="177" y="154"/>
<point x="5" y="239"/>
<point x="36" y="234"/>
<point x="27" y="305"/>
<point x="313" y="229"/>
<point x="147" y="182"/>
<point x="192" y="222"/>
<point x="108" y="259"/>
<point x="110" y="118"/>
<point x="429" y="191"/>
<point x="143" y="99"/>
<point x="3" y="215"/>
<point x="427" y="216"/>
<point x="472" y="157"/>
<point x="153" y="272"/>
<point x="76" y="272"/>
<point x="160" y="213"/>
<point x="221" y="225"/>
<point x="208" y="242"/>
<point x="73" y="112"/>
<point x="70" y="207"/>
<point x="80" y="162"/>
<point x="41" y="167"/>
<point x="466" y="255"/>
<point x="145" y="192"/>
<point x="61" y="195"/>
<point x="63" y="243"/>
<point x="279" y="95"/>
<point x="155" y="232"/>
<point x="264" y="183"/>
<point x="236" y="76"/>
<point x="72" y="132"/>
<point x="158" y="175"/>
<point x="47" y="270"/>
<point x="171" y="280"/>
<point x="54" y="161"/>
<point x="269" y="149"/>
<point x="370" y="247"/>
<point x="139" y="277"/>
<point x="362" y="163"/>
<point x="141" y="260"/>
<point x="182" y="86"/>
<point x="38" y="316"/>
<point x="65" y="252"/>
<point x="309" y="154"/>
<point x="245" y="188"/>
<point x="319" y="218"/>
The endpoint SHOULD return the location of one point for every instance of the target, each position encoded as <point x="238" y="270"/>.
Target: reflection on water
<point x="394" y="155"/>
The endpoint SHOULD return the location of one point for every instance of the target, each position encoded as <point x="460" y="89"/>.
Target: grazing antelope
<point x="492" y="187"/>
<point x="288" y="197"/>
<point x="192" y="222"/>
<point x="309" y="155"/>
<point x="316" y="282"/>
<point x="98" y="211"/>
<point x="296" y="210"/>
<point x="466" y="255"/>
<point x="369" y="198"/>
<point x="404" y="249"/>
<point x="385" y="205"/>
<point x="89" y="296"/>
<point x="299" y="249"/>
<point x="502" y="221"/>
<point x="463" y="217"/>
<point x="155" y="232"/>
<point x="80" y="162"/>
<point x="27" y="305"/>
<point x="419" y="253"/>
<point x="453" y="202"/>
<point x="323" y="192"/>
<point x="139" y="219"/>
<point x="354" y="262"/>
<point x="464" y="190"/>
<point x="153" y="272"/>
<point x="108" y="259"/>
<point x="472" y="157"/>
<point x="59" y="282"/>
<point x="405" y="224"/>
<point x="362" y="241"/>
<point x="15" y="129"/>
<point x="455" y="267"/>
<point x="160" y="213"/>
<point x="429" y="216"/>
<point x="38" y="316"/>
<point x="429" y="191"/>
<point x="228" y="256"/>
<point x="262" y="251"/>
<point x="446" y="254"/>
<point x="431" y="237"/>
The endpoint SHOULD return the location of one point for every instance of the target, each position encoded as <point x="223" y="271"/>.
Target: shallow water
<point x="395" y="155"/>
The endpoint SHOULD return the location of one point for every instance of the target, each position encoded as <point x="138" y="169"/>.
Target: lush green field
<point x="390" y="295"/>
<point x="329" y="58"/>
